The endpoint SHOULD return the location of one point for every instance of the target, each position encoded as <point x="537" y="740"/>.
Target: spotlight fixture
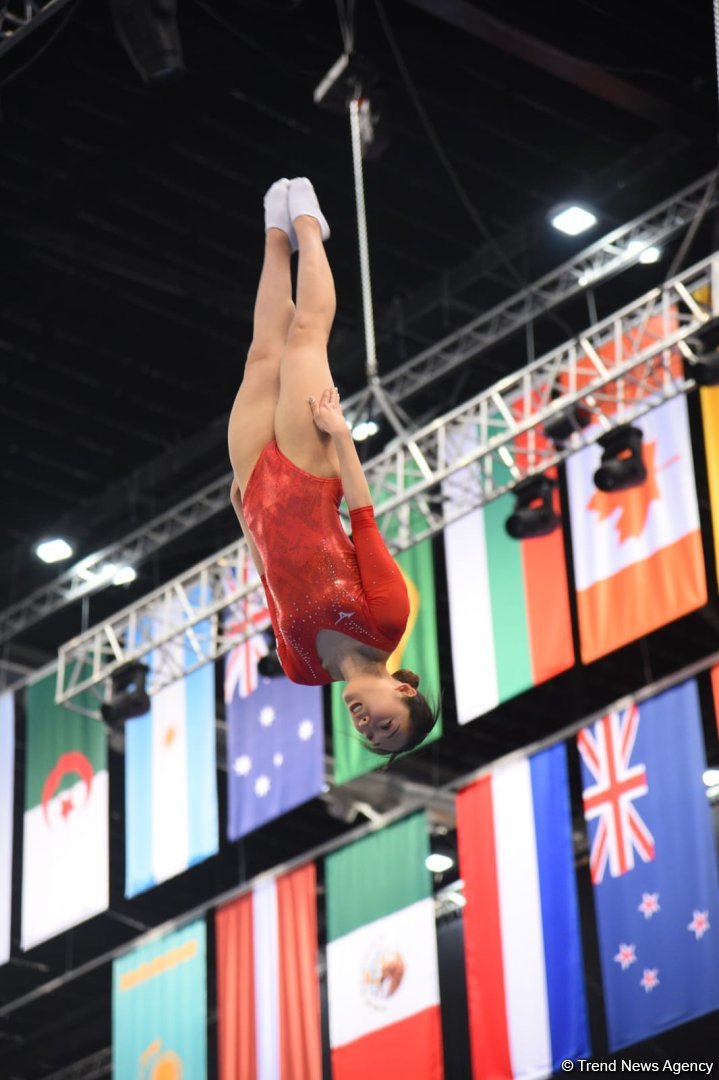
<point x="533" y="511"/>
<point x="622" y="466"/>
<point x="364" y="429"/>
<point x="52" y="550"/>
<point x="572" y="220"/>
<point x="648" y="253"/>
<point x="150" y="36"/>
<point x="702" y="364"/>
<point x="562" y="426"/>
<point x="128" y="696"/>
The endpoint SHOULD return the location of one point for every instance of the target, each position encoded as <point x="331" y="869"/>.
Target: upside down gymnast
<point x="338" y="606"/>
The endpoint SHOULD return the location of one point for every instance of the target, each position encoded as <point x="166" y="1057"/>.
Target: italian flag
<point x="509" y="615"/>
<point x="268" y="991"/>
<point x="65" y="830"/>
<point x="382" y="980"/>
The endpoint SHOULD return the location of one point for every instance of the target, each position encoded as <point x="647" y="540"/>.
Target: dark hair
<point x="422" y="717"/>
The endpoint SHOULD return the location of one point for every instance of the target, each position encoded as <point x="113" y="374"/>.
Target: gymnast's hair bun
<point x="407" y="676"/>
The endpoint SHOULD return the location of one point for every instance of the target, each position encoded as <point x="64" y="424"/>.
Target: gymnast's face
<point x="379" y="710"/>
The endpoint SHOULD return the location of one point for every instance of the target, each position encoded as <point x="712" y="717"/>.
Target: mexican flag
<point x="65" y="829"/>
<point x="417" y="651"/>
<point x="382" y="980"/>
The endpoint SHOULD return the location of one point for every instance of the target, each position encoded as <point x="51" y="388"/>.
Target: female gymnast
<point x="339" y="607"/>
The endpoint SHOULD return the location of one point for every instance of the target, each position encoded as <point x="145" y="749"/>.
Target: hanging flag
<point x="250" y="613"/>
<point x="170" y="783"/>
<point x="638" y="560"/>
<point x="7" y="791"/>
<point x="382" y="979"/>
<point x="268" y="1000"/>
<point x="509" y="614"/>
<point x="159" y="1008"/>
<point x="275" y="752"/>
<point x="523" y="953"/>
<point x="653" y="865"/>
<point x="65" y="829"/>
<point x="417" y="651"/>
<point x="709" y="398"/>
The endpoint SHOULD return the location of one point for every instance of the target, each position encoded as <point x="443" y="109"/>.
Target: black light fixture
<point x="622" y="466"/>
<point x="128" y="696"/>
<point x="149" y="33"/>
<point x="533" y="511"/>
<point x="703" y="364"/>
<point x="269" y="666"/>
<point x="563" y="424"/>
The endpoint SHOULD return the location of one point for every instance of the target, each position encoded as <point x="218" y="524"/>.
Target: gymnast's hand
<point x="327" y="413"/>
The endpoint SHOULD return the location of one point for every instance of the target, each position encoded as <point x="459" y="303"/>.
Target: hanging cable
<point x="440" y="151"/>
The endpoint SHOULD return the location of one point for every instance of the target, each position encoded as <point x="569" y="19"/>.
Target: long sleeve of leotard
<point x="382" y="581"/>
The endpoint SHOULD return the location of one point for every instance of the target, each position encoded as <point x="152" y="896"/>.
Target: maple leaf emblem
<point x="633" y="504"/>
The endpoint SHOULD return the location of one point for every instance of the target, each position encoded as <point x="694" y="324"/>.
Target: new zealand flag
<point x="653" y="865"/>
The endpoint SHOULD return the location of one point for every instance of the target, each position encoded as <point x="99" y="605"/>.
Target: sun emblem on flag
<point x="699" y="924"/>
<point x="649" y="979"/>
<point x="649" y="905"/>
<point x="382" y="973"/>
<point x="626" y="956"/>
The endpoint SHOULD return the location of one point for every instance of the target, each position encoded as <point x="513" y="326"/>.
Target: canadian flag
<point x="638" y="560"/>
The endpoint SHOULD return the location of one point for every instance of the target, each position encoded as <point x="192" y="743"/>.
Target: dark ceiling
<point x="130" y="237"/>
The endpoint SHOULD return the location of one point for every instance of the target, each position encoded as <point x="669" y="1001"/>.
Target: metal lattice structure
<point x="19" y="17"/>
<point x="611" y="254"/>
<point x="619" y="369"/>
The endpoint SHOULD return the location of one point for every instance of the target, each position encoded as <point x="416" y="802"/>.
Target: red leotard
<point x="316" y="578"/>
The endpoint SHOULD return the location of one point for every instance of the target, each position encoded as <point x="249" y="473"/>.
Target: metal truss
<point x="610" y="255"/>
<point x="619" y="369"/>
<point x="19" y="17"/>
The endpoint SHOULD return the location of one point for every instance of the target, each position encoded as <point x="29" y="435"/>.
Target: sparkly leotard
<point x="316" y="578"/>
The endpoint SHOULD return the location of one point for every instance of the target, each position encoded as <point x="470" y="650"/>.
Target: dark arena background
<point x="137" y="138"/>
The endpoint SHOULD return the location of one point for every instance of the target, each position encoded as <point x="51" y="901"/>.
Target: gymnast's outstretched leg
<point x="252" y="420"/>
<point x="304" y="368"/>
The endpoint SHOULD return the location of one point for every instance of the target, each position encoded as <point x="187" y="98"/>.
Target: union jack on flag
<point x="606" y="751"/>
<point x="249" y="613"/>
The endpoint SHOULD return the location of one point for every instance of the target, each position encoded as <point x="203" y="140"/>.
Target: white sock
<point x="277" y="213"/>
<point x="302" y="200"/>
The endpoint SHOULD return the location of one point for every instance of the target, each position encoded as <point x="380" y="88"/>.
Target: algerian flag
<point x="65" y="831"/>
<point x="382" y="980"/>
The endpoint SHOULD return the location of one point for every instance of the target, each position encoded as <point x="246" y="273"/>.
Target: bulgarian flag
<point x="65" y="867"/>
<point x="509" y="614"/>
<point x="268" y="1020"/>
<point x="382" y="979"/>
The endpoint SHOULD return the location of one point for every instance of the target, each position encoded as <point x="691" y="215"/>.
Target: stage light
<point x="437" y="863"/>
<point x="703" y="363"/>
<point x="128" y="696"/>
<point x="650" y="254"/>
<point x="269" y="666"/>
<point x="572" y="220"/>
<point x="124" y="575"/>
<point x="150" y="36"/>
<point x="53" y="550"/>
<point x="622" y="466"/>
<point x="562" y="426"/>
<point x="364" y="429"/>
<point x="533" y="511"/>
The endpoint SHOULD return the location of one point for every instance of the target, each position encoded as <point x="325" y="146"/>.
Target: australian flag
<point x="275" y="751"/>
<point x="653" y="864"/>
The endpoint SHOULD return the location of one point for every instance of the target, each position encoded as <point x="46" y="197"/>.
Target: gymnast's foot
<point x="302" y="200"/>
<point x="277" y="212"/>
